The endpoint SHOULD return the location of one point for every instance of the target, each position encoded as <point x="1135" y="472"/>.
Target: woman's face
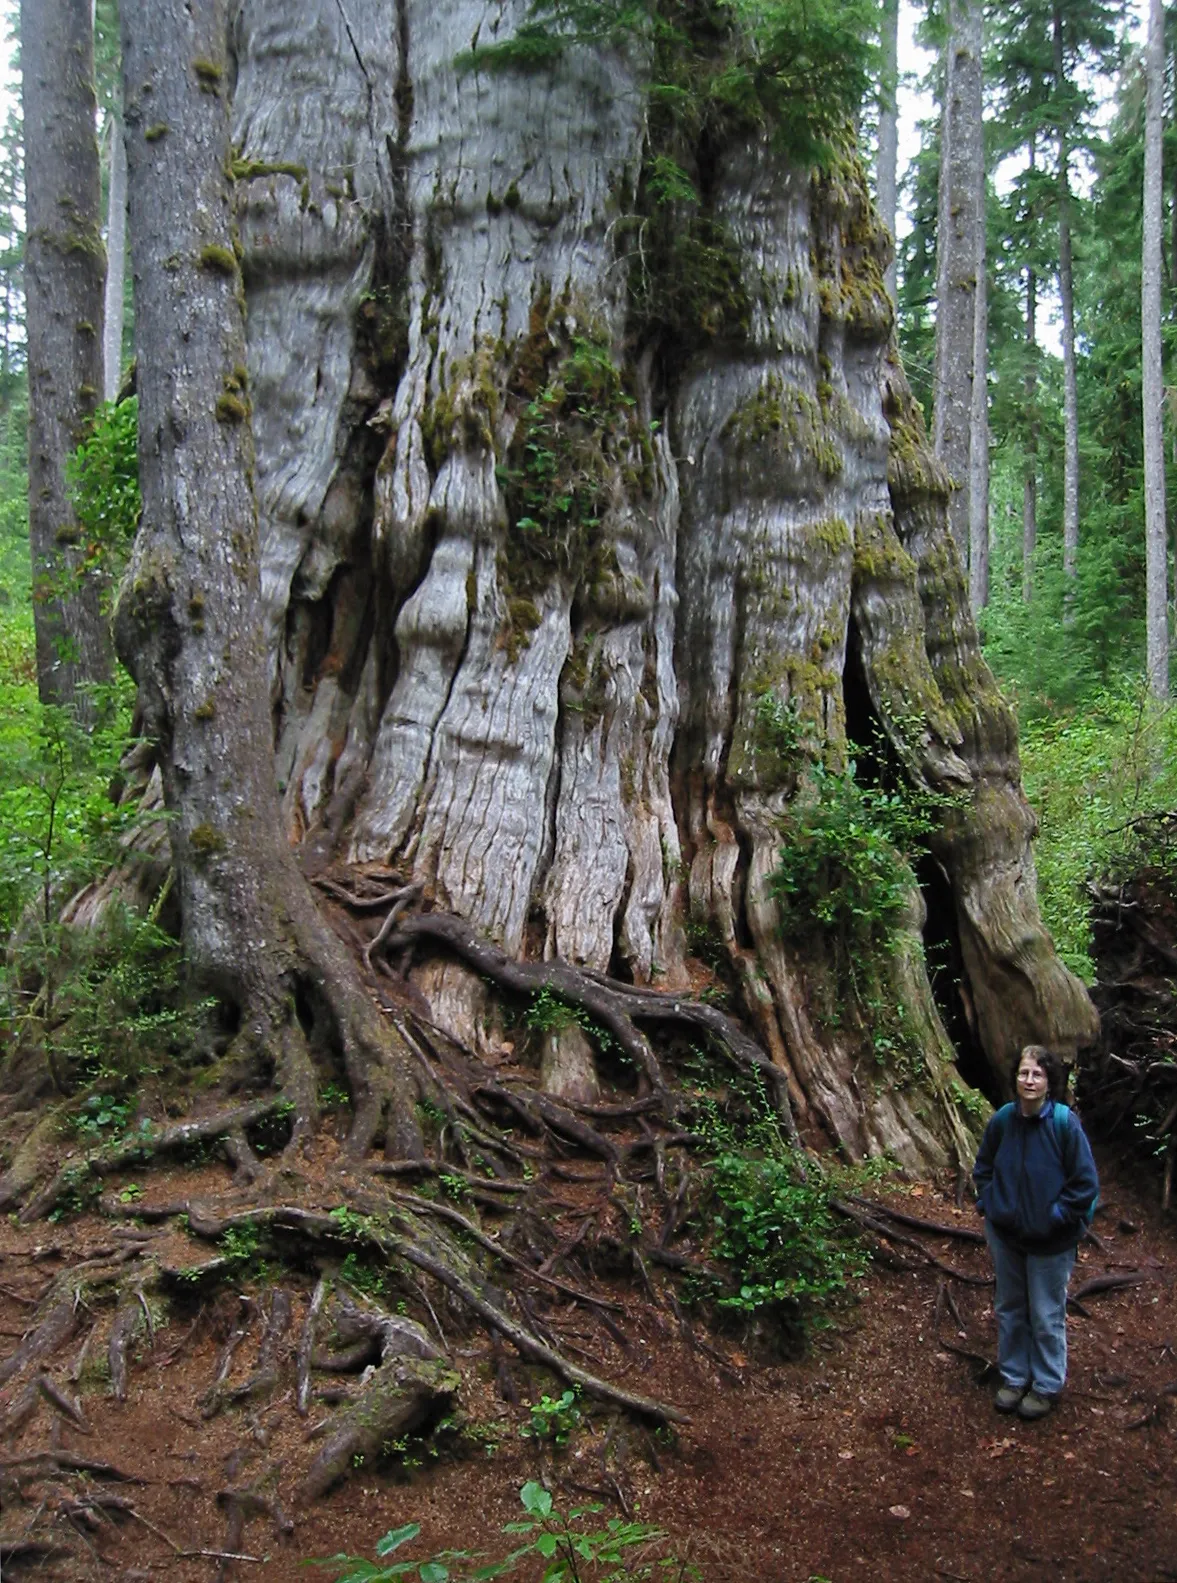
<point x="1032" y="1083"/>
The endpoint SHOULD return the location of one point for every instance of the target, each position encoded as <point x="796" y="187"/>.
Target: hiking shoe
<point x="1009" y="1397"/>
<point x="1034" y="1406"/>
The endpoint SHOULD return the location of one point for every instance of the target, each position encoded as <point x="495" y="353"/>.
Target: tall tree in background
<point x="960" y="223"/>
<point x="888" y="155"/>
<point x="64" y="275"/>
<point x="110" y="95"/>
<point x="1066" y="291"/>
<point x="1155" y="531"/>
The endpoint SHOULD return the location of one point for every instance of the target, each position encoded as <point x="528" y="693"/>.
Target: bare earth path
<point x="877" y="1457"/>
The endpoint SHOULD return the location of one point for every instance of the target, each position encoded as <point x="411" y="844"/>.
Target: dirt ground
<point x="878" y="1456"/>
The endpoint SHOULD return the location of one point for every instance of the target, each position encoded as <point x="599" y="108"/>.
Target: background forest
<point x="1063" y="621"/>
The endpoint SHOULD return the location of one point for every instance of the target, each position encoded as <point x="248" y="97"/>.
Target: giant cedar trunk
<point x="547" y="520"/>
<point x="63" y="292"/>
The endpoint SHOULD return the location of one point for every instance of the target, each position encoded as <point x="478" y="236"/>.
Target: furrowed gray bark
<point x="190" y="615"/>
<point x="63" y="304"/>
<point x="979" y="420"/>
<point x="116" y="262"/>
<point x="888" y="155"/>
<point x="1030" y="475"/>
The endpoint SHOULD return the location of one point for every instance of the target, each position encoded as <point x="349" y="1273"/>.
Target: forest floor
<point x="879" y="1455"/>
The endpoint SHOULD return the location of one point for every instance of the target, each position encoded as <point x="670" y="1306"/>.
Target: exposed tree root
<point x="443" y="1263"/>
<point x="216" y="1395"/>
<point x="614" y="1005"/>
<point x="170" y="1140"/>
<point x="55" y="1329"/>
<point x="65" y="1405"/>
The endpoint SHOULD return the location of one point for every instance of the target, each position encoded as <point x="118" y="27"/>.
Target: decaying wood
<point x="306" y="1347"/>
<point x="401" y="1395"/>
<point x="122" y="1332"/>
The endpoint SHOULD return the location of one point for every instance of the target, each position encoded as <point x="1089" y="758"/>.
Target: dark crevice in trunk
<point x="877" y="764"/>
<point x="946" y="973"/>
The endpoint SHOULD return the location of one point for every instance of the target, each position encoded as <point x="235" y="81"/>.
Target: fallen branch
<point x="861" y="1218"/>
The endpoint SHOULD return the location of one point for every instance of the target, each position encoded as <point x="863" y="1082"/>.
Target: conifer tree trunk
<point x="979" y="426"/>
<point x="116" y="262"/>
<point x="888" y="157"/>
<point x="1155" y="526"/>
<point x="957" y="252"/>
<point x="1066" y="290"/>
<point x="1030" y="475"/>
<point x="63" y="308"/>
<point x="189" y="622"/>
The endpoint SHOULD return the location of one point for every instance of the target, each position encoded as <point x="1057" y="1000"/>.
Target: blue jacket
<point x="1036" y="1180"/>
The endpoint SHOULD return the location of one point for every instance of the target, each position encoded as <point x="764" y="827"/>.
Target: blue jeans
<point x="1031" y="1308"/>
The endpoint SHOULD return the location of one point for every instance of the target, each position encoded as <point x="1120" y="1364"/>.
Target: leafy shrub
<point x="780" y="1234"/>
<point x="119" y="1008"/>
<point x="571" y="1552"/>
<point x="554" y="1419"/>
<point x="104" y="479"/>
<point x="842" y="862"/>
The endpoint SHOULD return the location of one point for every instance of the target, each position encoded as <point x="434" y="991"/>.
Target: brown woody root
<point x="169" y="1140"/>
<point x="416" y="1249"/>
<point x="617" y="1007"/>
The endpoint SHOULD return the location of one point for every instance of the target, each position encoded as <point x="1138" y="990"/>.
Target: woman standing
<point x="1036" y="1186"/>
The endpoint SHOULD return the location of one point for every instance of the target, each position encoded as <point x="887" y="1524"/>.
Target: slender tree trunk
<point x="961" y="183"/>
<point x="1155" y="528"/>
<point x="1030" y="475"/>
<point x="190" y="622"/>
<point x="888" y="161"/>
<point x="116" y="261"/>
<point x="979" y="428"/>
<point x="63" y="305"/>
<point x="1067" y="300"/>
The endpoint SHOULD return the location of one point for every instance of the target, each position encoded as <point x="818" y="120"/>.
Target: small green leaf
<point x="536" y="1499"/>
<point x="547" y="1545"/>
<point x="397" y="1537"/>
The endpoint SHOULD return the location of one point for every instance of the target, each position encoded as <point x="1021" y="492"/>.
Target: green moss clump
<point x="206" y="843"/>
<point x="220" y="260"/>
<point x="205" y="711"/>
<point x="154" y="133"/>
<point x="231" y="408"/>
<point x="511" y="198"/>
<point x="208" y="74"/>
<point x="791" y="419"/>
<point x="832" y="534"/>
<point x="255" y="169"/>
<point x="521" y="621"/>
